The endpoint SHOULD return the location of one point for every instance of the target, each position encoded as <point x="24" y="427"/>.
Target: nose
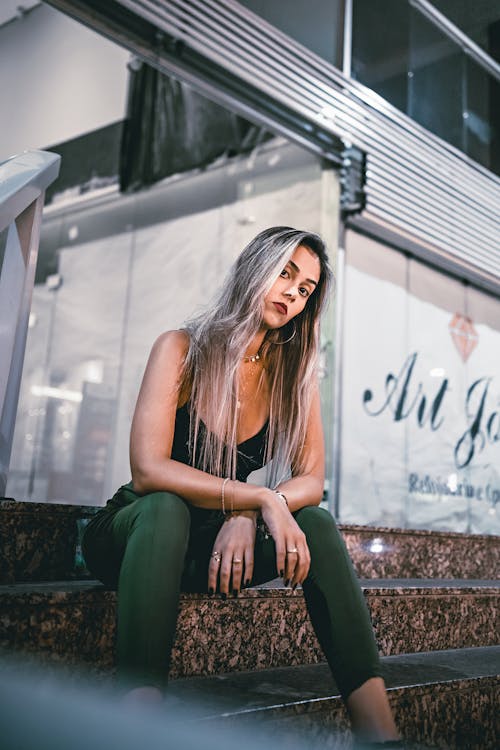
<point x="292" y="291"/>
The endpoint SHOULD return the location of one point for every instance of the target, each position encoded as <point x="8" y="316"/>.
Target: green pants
<point x="153" y="546"/>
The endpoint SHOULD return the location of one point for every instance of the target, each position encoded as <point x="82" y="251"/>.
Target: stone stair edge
<point x="470" y="690"/>
<point x="32" y="508"/>
<point x="29" y="507"/>
<point x="451" y="684"/>
<point x="71" y="589"/>
<point x="402" y="672"/>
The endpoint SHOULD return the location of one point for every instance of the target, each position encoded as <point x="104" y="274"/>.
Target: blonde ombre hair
<point x="218" y="341"/>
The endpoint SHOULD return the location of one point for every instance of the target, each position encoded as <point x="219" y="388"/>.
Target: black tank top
<point x="250" y="452"/>
<point x="250" y="457"/>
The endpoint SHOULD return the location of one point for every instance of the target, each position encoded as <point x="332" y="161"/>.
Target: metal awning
<point x="421" y="193"/>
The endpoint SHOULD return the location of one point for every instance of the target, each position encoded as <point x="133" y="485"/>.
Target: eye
<point x="284" y="274"/>
<point x="303" y="291"/>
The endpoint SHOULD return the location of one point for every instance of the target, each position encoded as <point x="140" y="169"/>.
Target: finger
<point x="280" y="556"/>
<point x="213" y="571"/>
<point x="225" y="573"/>
<point x="248" y="577"/>
<point x="302" y="569"/>
<point x="237" y="571"/>
<point x="292" y="559"/>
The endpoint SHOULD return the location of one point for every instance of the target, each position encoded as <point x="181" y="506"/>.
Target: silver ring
<point x="216" y="556"/>
<point x="237" y="560"/>
<point x="293" y="551"/>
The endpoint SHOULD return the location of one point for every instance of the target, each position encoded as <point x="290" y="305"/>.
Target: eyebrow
<point x="297" y="270"/>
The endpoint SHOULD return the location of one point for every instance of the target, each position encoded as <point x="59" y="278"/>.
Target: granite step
<point x="40" y="542"/>
<point x="441" y="699"/>
<point x="445" y="699"/>
<point x="74" y="622"/>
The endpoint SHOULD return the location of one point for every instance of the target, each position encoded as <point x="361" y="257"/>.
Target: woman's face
<point x="289" y="294"/>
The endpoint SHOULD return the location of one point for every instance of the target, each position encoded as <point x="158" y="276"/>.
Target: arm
<point x="152" y="433"/>
<point x="153" y="469"/>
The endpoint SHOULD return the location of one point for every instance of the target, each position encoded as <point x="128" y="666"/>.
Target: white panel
<point x="372" y="447"/>
<point x="437" y="388"/>
<point x="58" y="80"/>
<point x="484" y="365"/>
<point x="424" y="451"/>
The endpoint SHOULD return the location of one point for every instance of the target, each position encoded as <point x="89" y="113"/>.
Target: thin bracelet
<point x="283" y="497"/>
<point x="222" y="492"/>
<point x="232" y="499"/>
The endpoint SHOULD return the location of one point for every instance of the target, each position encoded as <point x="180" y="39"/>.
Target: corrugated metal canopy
<point x="421" y="192"/>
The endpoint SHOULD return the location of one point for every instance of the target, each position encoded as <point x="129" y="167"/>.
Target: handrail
<point x="23" y="180"/>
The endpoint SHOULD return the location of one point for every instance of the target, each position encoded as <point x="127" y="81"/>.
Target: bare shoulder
<point x="169" y="351"/>
<point x="172" y="343"/>
<point x="166" y="362"/>
<point x="163" y="375"/>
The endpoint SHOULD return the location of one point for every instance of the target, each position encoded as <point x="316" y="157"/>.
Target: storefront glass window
<point x="420" y="395"/>
<point x="129" y="268"/>
<point x="380" y="33"/>
<point x="414" y="65"/>
<point x="480" y="20"/>
<point x="436" y="79"/>
<point x="482" y="116"/>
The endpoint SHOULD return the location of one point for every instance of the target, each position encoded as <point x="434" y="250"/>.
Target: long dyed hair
<point x="219" y="338"/>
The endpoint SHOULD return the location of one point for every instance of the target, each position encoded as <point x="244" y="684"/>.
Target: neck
<point x="255" y="344"/>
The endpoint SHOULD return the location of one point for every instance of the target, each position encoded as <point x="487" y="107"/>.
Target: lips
<point x="281" y="307"/>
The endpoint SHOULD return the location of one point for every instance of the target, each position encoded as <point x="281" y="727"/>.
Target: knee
<point x="162" y="510"/>
<point x="320" y="528"/>
<point x="314" y="519"/>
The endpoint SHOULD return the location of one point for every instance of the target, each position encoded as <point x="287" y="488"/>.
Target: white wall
<point x="58" y="80"/>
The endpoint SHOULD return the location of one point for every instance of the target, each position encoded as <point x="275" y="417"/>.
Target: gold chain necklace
<point x="246" y="377"/>
<point x="252" y="358"/>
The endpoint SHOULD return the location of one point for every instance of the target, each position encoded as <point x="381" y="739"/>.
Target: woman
<point x="233" y="391"/>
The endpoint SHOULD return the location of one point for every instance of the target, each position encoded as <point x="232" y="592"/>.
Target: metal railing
<point x="23" y="181"/>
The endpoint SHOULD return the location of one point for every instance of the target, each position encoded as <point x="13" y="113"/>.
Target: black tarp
<point x="170" y="129"/>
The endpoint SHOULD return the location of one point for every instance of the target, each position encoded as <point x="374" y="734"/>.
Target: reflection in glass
<point x="404" y="57"/>
<point x="436" y="75"/>
<point x="481" y="119"/>
<point x="478" y="19"/>
<point x="380" y="32"/>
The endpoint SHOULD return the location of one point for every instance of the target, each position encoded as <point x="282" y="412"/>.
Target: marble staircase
<point x="433" y="597"/>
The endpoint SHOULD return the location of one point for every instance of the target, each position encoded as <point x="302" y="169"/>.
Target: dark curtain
<point x="170" y="129"/>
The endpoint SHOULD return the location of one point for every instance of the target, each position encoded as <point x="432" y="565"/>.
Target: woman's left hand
<point x="235" y="544"/>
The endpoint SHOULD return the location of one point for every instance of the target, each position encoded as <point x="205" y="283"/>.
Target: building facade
<point x="389" y="149"/>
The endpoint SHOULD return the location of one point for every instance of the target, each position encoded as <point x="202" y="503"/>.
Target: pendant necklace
<point x="253" y="359"/>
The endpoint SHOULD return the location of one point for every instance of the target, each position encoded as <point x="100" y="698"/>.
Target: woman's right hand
<point x="292" y="553"/>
